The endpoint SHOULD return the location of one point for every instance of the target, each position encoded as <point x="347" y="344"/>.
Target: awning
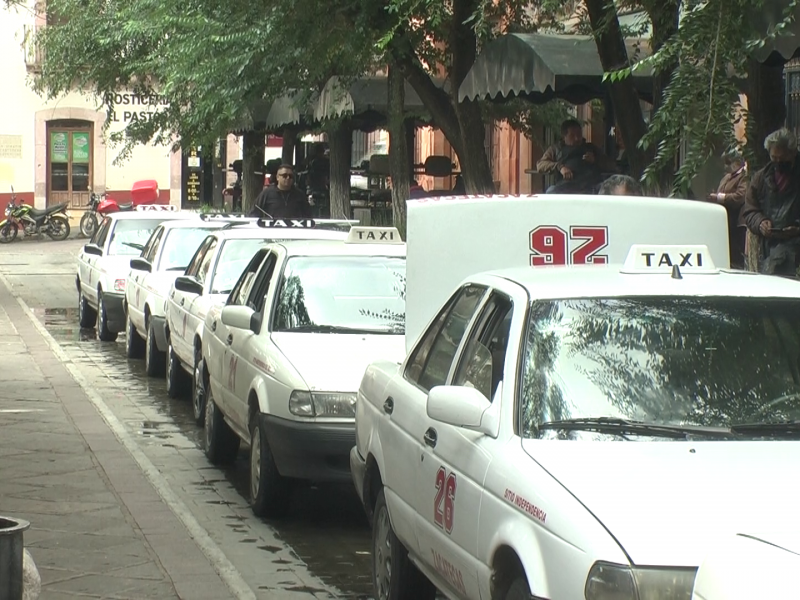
<point x="363" y="97"/>
<point x="293" y="108"/>
<point x="540" y="67"/>
<point x="784" y="47"/>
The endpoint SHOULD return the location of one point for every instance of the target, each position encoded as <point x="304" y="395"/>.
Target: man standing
<point x="621" y="185"/>
<point x="579" y="165"/>
<point x="730" y="194"/>
<point x="772" y="206"/>
<point x="282" y="200"/>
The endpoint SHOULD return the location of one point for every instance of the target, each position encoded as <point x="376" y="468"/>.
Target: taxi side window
<point x="258" y="294"/>
<point x="151" y="248"/>
<point x="435" y="353"/>
<point x="205" y="265"/>
<point x="193" y="269"/>
<point x="481" y="364"/>
<point x="100" y="236"/>
<point x="241" y="290"/>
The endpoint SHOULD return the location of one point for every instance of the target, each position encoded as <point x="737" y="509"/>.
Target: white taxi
<point x="166" y="255"/>
<point x="104" y="262"/>
<point x="208" y="280"/>
<point x="286" y="352"/>
<point x="581" y="433"/>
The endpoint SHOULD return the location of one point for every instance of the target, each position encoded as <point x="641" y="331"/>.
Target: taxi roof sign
<point x="286" y="223"/>
<point x="374" y="235"/>
<point x="157" y="207"/>
<point x="664" y="258"/>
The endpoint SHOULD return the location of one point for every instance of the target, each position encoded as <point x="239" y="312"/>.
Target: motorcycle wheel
<point x="8" y="233"/>
<point x="58" y="230"/>
<point x="88" y="224"/>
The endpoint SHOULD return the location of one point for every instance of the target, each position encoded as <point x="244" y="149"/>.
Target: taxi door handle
<point x="230" y="338"/>
<point x="213" y="325"/>
<point x="172" y="295"/>
<point x="388" y="406"/>
<point x="182" y="301"/>
<point x="430" y="437"/>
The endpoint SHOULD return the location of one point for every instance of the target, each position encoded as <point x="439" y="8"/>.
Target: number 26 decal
<point x="550" y="245"/>
<point x="444" y="503"/>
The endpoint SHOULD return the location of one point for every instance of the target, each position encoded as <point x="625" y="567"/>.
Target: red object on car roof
<point x="144" y="192"/>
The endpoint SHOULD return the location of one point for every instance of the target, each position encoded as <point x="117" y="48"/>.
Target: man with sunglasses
<point x="282" y="200"/>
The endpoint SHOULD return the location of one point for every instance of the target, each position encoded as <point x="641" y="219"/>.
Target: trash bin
<point x="11" y="551"/>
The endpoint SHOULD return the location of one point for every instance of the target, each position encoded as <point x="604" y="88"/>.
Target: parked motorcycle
<point x="52" y="220"/>
<point x="99" y="204"/>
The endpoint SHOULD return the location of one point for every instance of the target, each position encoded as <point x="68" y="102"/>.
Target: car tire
<point x="87" y="316"/>
<point x="199" y="385"/>
<point x="221" y="443"/>
<point x="155" y="361"/>
<point x="518" y="590"/>
<point x="270" y="492"/>
<point x="394" y="576"/>
<point x="134" y="344"/>
<point x="176" y="377"/>
<point x="103" y="332"/>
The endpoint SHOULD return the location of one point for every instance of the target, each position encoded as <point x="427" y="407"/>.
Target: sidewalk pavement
<point x="99" y="529"/>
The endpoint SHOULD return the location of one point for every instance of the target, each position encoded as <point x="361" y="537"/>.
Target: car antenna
<point x="676" y="272"/>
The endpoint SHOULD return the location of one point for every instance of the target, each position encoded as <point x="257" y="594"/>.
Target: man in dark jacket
<point x="282" y="200"/>
<point x="772" y="206"/>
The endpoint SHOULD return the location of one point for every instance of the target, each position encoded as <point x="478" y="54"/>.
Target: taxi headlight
<point x="608" y="581"/>
<point x="322" y="404"/>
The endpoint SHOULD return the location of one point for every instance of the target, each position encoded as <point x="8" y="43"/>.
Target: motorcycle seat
<point x="37" y="212"/>
<point x="126" y="206"/>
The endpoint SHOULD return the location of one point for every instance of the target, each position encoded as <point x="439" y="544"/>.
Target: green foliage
<point x="529" y="118"/>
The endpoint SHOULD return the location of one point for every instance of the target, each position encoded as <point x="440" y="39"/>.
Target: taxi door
<point x="244" y="344"/>
<point x="181" y="317"/>
<point x="403" y="425"/>
<point x="455" y="460"/>
<point x="87" y="264"/>
<point x="135" y="294"/>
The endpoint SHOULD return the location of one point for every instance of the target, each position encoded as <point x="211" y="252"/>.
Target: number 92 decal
<point x="445" y="502"/>
<point x="551" y="245"/>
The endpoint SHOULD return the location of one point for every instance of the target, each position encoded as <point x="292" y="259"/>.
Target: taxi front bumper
<point x="316" y="452"/>
<point x="114" y="305"/>
<point x="358" y="470"/>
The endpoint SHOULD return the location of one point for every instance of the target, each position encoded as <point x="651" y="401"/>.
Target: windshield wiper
<point x="623" y="426"/>
<point x="333" y="329"/>
<point x="784" y="428"/>
<point x="176" y="269"/>
<point x="139" y="247"/>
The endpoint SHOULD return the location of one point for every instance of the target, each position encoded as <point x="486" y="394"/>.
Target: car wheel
<point x="87" y="316"/>
<point x="394" y="576"/>
<point x="134" y="344"/>
<point x="222" y="444"/>
<point x="269" y="491"/>
<point x="199" y="387"/>
<point x="176" y="378"/>
<point x="103" y="332"/>
<point x="154" y="360"/>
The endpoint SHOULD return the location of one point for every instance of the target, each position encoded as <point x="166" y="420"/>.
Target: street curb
<point x="239" y="588"/>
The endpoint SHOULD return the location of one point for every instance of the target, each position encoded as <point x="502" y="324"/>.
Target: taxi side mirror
<point x="461" y="406"/>
<point x="190" y="285"/>
<point x="240" y="317"/>
<point x="93" y="249"/>
<point x="140" y="264"/>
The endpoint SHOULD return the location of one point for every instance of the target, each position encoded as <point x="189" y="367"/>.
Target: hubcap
<point x="382" y="554"/>
<point x="199" y="392"/>
<point x="149" y="348"/>
<point x="255" y="462"/>
<point x="170" y="364"/>
<point x="209" y="422"/>
<point x="100" y="313"/>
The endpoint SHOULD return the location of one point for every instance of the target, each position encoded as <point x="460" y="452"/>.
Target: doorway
<point x="69" y="162"/>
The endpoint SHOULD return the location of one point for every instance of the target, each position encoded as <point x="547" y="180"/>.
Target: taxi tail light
<point x="119" y="285"/>
<point x="322" y="404"/>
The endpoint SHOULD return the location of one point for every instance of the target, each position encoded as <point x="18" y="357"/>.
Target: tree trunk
<point x="219" y="170"/>
<point x="288" y="143"/>
<point x="399" y="167"/>
<point x="340" y="140"/>
<point x="613" y="56"/>
<point x="253" y="143"/>
<point x="766" y="105"/>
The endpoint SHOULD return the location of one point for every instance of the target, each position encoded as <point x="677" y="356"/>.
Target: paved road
<point x="320" y="550"/>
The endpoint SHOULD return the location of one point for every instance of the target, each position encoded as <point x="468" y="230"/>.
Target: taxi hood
<point x="336" y="362"/>
<point x="667" y="502"/>
<point x="452" y="238"/>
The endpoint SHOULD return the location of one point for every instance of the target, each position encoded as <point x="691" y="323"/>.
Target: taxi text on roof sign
<point x="157" y="207"/>
<point x="662" y="259"/>
<point x="374" y="235"/>
<point x="286" y="223"/>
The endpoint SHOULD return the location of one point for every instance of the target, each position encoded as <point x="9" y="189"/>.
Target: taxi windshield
<point x="179" y="247"/>
<point x="130" y="235"/>
<point x="233" y="258"/>
<point x="710" y="362"/>
<point x="342" y="294"/>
